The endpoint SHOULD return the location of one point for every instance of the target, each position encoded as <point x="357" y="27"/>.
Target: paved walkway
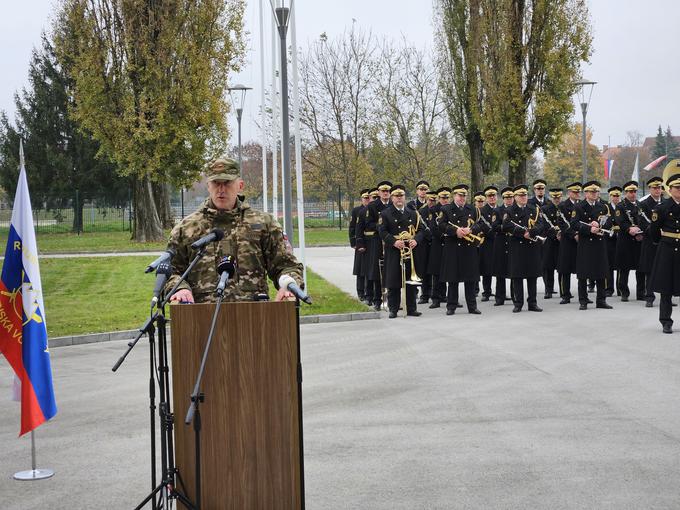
<point x="556" y="410"/>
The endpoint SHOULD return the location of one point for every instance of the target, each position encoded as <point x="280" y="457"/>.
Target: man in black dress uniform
<point x="397" y="221"/>
<point x="429" y="216"/>
<point x="648" y="248"/>
<point x="358" y="269"/>
<point x="369" y="241"/>
<point x="665" y="230"/>
<point x="538" y="199"/>
<point x="612" y="206"/>
<point x="460" y="259"/>
<point x="486" y="249"/>
<point x="422" y="252"/>
<point x="501" y="246"/>
<point x="629" y="242"/>
<point x="591" y="253"/>
<point x="434" y="262"/>
<point x="550" y="228"/>
<point x="525" y="255"/>
<point x="421" y="196"/>
<point x="566" y="263"/>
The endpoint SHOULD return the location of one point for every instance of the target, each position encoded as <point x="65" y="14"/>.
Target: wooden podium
<point x="251" y="434"/>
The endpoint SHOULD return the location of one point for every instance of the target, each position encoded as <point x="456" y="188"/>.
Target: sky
<point x="634" y="61"/>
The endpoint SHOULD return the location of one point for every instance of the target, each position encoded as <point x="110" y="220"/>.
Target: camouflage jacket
<point x="253" y="238"/>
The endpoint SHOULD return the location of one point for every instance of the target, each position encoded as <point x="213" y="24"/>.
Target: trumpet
<point x="535" y="239"/>
<point x="406" y="253"/>
<point x="474" y="239"/>
<point x="602" y="231"/>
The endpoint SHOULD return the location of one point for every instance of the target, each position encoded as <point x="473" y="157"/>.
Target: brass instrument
<point x="535" y="239"/>
<point x="638" y="233"/>
<point x="550" y="223"/>
<point x="406" y="253"/>
<point x="672" y="168"/>
<point x="602" y="231"/>
<point x="473" y="239"/>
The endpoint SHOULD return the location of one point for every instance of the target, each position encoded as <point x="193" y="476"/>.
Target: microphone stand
<point x="299" y="382"/>
<point x="168" y="468"/>
<point x="196" y="398"/>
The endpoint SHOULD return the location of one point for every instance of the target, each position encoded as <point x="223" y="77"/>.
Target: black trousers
<point x="565" y="285"/>
<point x="438" y="292"/>
<point x="640" y="287"/>
<point x="609" y="283"/>
<point x="486" y="286"/>
<point x="361" y="287"/>
<point x="368" y="290"/>
<point x="518" y="291"/>
<point x="501" y="295"/>
<point x="394" y="299"/>
<point x="426" y="287"/>
<point x="649" y="295"/>
<point x="583" y="291"/>
<point x="549" y="280"/>
<point x="666" y="309"/>
<point x="452" y="296"/>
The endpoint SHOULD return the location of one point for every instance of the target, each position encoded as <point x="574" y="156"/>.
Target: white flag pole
<point x="263" y="115"/>
<point x="298" y="148"/>
<point x="275" y="124"/>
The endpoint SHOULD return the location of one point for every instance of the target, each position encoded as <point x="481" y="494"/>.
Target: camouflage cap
<point x="222" y="169"/>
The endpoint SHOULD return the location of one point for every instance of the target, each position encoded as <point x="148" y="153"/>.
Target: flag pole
<point x="33" y="473"/>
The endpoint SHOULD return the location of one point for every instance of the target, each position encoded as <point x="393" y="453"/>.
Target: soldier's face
<point x="365" y="200"/>
<point x="631" y="195"/>
<point x="398" y="201"/>
<point x="616" y="199"/>
<point x="421" y="191"/>
<point x="507" y="201"/>
<point x="655" y="191"/>
<point x="556" y="200"/>
<point x="223" y="193"/>
<point x="675" y="192"/>
<point x="431" y="201"/>
<point x="522" y="199"/>
<point x="385" y="195"/>
<point x="444" y="201"/>
<point x="459" y="199"/>
<point x="591" y="196"/>
<point x="574" y="195"/>
<point x="491" y="200"/>
<point x="539" y="191"/>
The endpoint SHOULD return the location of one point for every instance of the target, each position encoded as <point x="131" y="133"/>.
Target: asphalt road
<point x="564" y="409"/>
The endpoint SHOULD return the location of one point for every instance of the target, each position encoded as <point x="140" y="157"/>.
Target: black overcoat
<point x="525" y="255"/>
<point x="665" y="277"/>
<point x="627" y="246"/>
<point x="460" y="258"/>
<point x="390" y="224"/>
<point x="591" y="253"/>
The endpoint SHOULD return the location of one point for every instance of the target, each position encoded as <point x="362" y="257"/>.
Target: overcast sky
<point x="635" y="60"/>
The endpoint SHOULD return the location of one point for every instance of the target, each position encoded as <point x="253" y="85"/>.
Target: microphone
<point x="226" y="268"/>
<point x="287" y="282"/>
<point x="166" y="256"/>
<point x="212" y="237"/>
<point x="163" y="272"/>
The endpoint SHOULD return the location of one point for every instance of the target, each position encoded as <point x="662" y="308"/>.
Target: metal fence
<point x="101" y="218"/>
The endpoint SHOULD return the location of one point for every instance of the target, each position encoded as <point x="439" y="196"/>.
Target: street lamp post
<point x="585" y="88"/>
<point x="282" y="16"/>
<point x="238" y="99"/>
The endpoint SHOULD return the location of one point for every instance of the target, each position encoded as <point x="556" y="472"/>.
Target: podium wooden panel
<point x="250" y="440"/>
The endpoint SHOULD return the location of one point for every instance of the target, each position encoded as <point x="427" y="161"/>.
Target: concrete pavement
<point x="564" y="409"/>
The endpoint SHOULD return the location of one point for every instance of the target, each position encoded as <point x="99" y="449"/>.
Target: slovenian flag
<point x="608" y="166"/>
<point x="23" y="333"/>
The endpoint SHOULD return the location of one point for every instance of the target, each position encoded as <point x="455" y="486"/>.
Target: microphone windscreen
<point x="219" y="234"/>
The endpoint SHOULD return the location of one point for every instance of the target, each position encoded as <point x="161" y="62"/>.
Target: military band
<point x="441" y="239"/>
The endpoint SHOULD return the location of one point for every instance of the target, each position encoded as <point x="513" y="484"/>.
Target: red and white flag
<point x="655" y="163"/>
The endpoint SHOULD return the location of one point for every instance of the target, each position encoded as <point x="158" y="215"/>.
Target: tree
<point x="564" y="164"/>
<point x="672" y="148"/>
<point x="659" y="148"/>
<point x="150" y="82"/>
<point x="337" y="100"/>
<point x="460" y="63"/>
<point x="60" y="157"/>
<point x="411" y="127"/>
<point x="533" y="50"/>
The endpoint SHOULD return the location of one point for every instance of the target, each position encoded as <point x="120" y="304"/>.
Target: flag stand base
<point x="34" y="474"/>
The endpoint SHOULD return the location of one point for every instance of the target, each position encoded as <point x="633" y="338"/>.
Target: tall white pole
<point x="298" y="148"/>
<point x="275" y="124"/>
<point x="263" y="114"/>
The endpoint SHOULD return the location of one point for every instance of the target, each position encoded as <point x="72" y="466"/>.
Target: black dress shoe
<point x="423" y="300"/>
<point x="393" y="315"/>
<point x="450" y="311"/>
<point x="475" y="311"/>
<point x="458" y="305"/>
<point x="583" y="306"/>
<point x="517" y="309"/>
<point x="434" y="304"/>
<point x="667" y="328"/>
<point x="414" y="314"/>
<point x="589" y="301"/>
<point x="499" y="303"/>
<point x="548" y="295"/>
<point x="649" y="304"/>
<point x="604" y="305"/>
<point x="485" y="298"/>
<point x="377" y="307"/>
<point x="591" y="290"/>
<point x="565" y="301"/>
<point x="640" y="298"/>
<point x="609" y="293"/>
<point x="534" y="308"/>
<point x="624" y="299"/>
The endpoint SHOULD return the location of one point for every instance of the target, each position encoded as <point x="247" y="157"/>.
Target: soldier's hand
<point x="526" y="235"/>
<point x="182" y="296"/>
<point x="594" y="230"/>
<point x="460" y="233"/>
<point x="399" y="244"/>
<point x="594" y="224"/>
<point x="559" y="236"/>
<point x="284" y="294"/>
<point x="412" y="243"/>
<point x="634" y="231"/>
<point x="361" y="250"/>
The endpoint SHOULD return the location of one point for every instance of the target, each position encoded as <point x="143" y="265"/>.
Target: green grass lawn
<point x="88" y="295"/>
<point x="119" y="242"/>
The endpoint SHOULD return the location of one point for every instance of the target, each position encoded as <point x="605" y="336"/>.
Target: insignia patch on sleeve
<point x="493" y="217"/>
<point x="573" y="213"/>
<point x="618" y="213"/>
<point x="655" y="216"/>
<point x="505" y="216"/>
<point x="440" y="215"/>
<point x="380" y="220"/>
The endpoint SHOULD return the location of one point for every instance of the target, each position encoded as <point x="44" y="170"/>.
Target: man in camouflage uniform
<point x="253" y="238"/>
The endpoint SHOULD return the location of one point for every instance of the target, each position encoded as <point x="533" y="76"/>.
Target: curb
<point x="63" y="341"/>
